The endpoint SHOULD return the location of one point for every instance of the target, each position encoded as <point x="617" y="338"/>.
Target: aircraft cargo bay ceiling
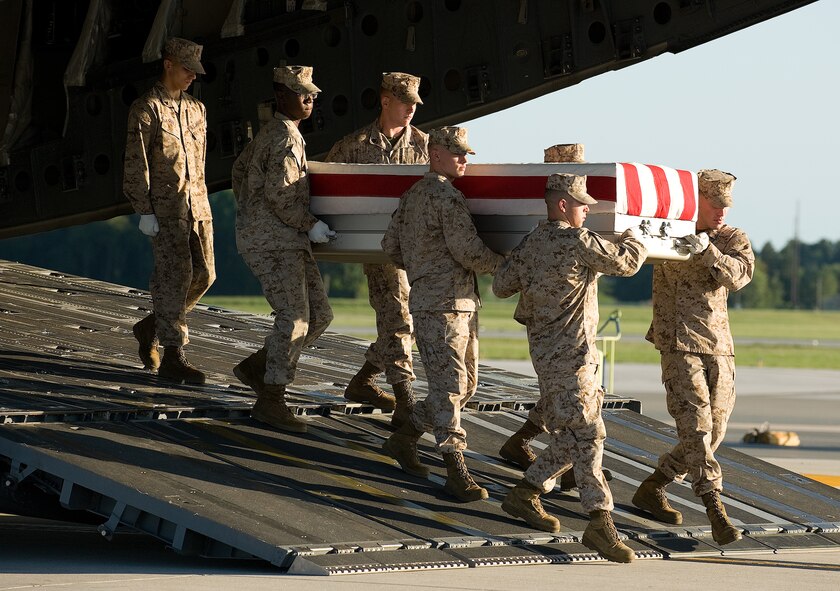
<point x="70" y="69"/>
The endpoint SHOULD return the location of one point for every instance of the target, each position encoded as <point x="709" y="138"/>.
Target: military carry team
<point x="428" y="293"/>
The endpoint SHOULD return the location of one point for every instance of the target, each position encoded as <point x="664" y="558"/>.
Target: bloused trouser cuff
<point x="448" y="344"/>
<point x="388" y="294"/>
<point x="184" y="269"/>
<point x="293" y="287"/>
<point x="700" y="394"/>
<point x="576" y="438"/>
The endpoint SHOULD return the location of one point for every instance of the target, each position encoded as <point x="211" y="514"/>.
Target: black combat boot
<point x="363" y="388"/>
<point x="175" y="367"/>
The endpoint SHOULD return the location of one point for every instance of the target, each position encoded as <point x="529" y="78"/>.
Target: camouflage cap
<point x="297" y="78"/>
<point x="452" y="138"/>
<point x="716" y="186"/>
<point x="572" y="185"/>
<point x="564" y="153"/>
<point x="185" y="52"/>
<point x="404" y="86"/>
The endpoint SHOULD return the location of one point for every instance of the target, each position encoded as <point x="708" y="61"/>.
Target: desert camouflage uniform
<point x="556" y="269"/>
<point x="387" y="285"/>
<point x="164" y="175"/>
<point x="432" y="236"/>
<point x="691" y="330"/>
<point x="271" y="186"/>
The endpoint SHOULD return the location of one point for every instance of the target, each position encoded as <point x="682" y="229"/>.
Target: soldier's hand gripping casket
<point x="320" y="233"/>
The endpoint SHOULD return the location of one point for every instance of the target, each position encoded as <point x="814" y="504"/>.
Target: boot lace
<point x="461" y="467"/>
<point x="610" y="533"/>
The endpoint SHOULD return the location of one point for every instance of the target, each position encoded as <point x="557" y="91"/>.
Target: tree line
<point x="805" y="276"/>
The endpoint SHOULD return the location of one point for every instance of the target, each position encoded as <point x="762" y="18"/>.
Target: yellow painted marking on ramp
<point x="825" y="479"/>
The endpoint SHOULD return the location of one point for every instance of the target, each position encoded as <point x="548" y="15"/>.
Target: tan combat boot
<point x="175" y="367"/>
<point x="404" y="394"/>
<point x="568" y="482"/>
<point x="363" y="388"/>
<point x="723" y="532"/>
<point x="459" y="483"/>
<point x="601" y="536"/>
<point x="402" y="446"/>
<point x="144" y="332"/>
<point x="523" y="501"/>
<point x="651" y="497"/>
<point x="251" y="371"/>
<point x="517" y="449"/>
<point x="271" y="409"/>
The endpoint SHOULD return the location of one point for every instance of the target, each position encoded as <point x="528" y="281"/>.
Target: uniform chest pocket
<point x="170" y="137"/>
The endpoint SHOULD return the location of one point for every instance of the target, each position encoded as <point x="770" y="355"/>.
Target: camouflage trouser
<point x="391" y="352"/>
<point x="700" y="396"/>
<point x="293" y="287"/>
<point x="577" y="433"/>
<point x="448" y="344"/>
<point x="184" y="270"/>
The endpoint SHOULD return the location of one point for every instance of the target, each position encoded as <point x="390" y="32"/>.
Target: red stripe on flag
<point x="355" y="185"/>
<point x="473" y="187"/>
<point x="634" y="189"/>
<point x="663" y="192"/>
<point x="689" y="202"/>
<point x="501" y="187"/>
<point x="602" y="188"/>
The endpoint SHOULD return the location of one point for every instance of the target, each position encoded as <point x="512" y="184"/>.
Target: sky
<point x="762" y="103"/>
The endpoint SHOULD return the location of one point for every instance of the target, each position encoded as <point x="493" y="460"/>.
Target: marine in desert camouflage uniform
<point x="274" y="228"/>
<point x="517" y="449"/>
<point x="164" y="181"/>
<point x="556" y="270"/>
<point x="432" y="236"/>
<point x="690" y="329"/>
<point x="391" y="139"/>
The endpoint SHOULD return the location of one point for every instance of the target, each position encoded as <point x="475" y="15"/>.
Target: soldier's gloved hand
<point x="696" y="243"/>
<point x="320" y="233"/>
<point x="149" y="225"/>
<point x="634" y="232"/>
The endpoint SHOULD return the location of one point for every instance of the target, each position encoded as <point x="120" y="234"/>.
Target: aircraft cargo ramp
<point x="87" y="434"/>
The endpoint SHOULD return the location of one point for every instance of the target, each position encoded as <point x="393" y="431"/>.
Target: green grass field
<point x="503" y="338"/>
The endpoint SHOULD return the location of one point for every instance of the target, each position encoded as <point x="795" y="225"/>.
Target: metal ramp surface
<point x="87" y="432"/>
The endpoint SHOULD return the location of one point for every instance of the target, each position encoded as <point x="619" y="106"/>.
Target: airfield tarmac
<point x="70" y="556"/>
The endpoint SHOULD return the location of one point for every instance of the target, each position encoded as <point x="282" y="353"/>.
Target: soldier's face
<point x="395" y="112"/>
<point x="710" y="217"/>
<point x="296" y="106"/>
<point x="180" y="76"/>
<point x="575" y="211"/>
<point x="452" y="166"/>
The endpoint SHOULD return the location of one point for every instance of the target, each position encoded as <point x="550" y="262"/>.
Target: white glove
<point x="320" y="233"/>
<point x="633" y="232"/>
<point x="695" y="243"/>
<point x="149" y="224"/>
